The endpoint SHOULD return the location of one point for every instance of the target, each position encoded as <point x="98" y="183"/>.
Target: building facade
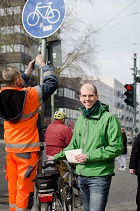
<point x="17" y="48"/>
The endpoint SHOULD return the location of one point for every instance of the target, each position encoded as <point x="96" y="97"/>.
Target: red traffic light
<point x="128" y="87"/>
<point x="129" y="93"/>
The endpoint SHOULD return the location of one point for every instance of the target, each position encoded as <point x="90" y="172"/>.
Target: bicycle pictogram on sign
<point x="51" y="15"/>
<point x="43" y="18"/>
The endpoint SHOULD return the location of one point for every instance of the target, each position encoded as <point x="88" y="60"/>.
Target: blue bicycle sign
<point x="42" y="19"/>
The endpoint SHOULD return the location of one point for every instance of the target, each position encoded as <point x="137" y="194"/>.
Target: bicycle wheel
<point x="57" y="204"/>
<point x="67" y="198"/>
<point x="54" y="205"/>
<point x="77" y="201"/>
<point x="53" y="16"/>
<point x="32" y="19"/>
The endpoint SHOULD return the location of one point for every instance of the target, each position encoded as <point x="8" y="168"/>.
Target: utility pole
<point x="135" y="96"/>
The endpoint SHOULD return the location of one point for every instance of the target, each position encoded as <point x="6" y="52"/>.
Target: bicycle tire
<point x="30" y="19"/>
<point x="68" y="203"/>
<point x="51" y="18"/>
<point x="56" y="205"/>
<point x="77" y="201"/>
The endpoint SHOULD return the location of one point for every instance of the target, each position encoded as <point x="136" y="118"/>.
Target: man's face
<point x="87" y="97"/>
<point x="19" y="81"/>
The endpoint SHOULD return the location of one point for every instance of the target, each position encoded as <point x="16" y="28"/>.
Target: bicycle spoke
<point x="57" y="204"/>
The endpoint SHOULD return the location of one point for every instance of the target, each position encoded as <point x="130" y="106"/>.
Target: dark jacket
<point x="124" y="138"/>
<point x="135" y="156"/>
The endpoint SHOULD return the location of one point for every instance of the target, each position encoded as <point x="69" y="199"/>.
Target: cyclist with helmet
<point x="57" y="137"/>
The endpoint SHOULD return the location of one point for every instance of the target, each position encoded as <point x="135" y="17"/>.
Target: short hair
<point x="9" y="74"/>
<point x="122" y="129"/>
<point x="88" y="85"/>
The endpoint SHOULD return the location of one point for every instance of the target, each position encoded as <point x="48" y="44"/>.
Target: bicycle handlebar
<point x="50" y="163"/>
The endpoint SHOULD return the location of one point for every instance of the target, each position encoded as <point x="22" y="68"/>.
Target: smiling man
<point x="97" y="132"/>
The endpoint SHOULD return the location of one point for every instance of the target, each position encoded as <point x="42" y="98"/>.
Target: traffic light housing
<point x="129" y="93"/>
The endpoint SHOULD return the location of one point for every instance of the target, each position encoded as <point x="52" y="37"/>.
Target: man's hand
<point x="49" y="157"/>
<point x="132" y="171"/>
<point x="40" y="60"/>
<point x="81" y="158"/>
<point x="30" y="69"/>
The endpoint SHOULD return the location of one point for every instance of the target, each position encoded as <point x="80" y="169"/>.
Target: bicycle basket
<point x="47" y="182"/>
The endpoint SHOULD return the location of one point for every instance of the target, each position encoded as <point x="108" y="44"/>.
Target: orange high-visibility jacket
<point x="19" y="107"/>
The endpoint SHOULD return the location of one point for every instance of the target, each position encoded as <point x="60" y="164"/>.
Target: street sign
<point x="43" y="18"/>
<point x="55" y="53"/>
<point x="137" y="79"/>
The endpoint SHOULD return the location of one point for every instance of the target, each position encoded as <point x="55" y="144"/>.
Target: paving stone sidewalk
<point x="122" y="192"/>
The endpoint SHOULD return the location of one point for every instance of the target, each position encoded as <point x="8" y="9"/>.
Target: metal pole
<point x="135" y="97"/>
<point x="43" y="53"/>
<point x="52" y="107"/>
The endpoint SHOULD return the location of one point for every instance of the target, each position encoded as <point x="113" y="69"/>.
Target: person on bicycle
<point x="57" y="137"/>
<point x="19" y="108"/>
<point x="98" y="133"/>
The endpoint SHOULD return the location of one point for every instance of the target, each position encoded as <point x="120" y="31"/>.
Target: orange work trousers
<point x="20" y="189"/>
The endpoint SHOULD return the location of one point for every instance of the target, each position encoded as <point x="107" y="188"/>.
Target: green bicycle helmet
<point x="59" y="115"/>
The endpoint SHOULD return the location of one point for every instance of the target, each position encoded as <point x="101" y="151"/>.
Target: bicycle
<point x="60" y="196"/>
<point x="51" y="15"/>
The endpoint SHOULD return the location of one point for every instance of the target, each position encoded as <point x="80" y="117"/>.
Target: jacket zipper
<point x="83" y="142"/>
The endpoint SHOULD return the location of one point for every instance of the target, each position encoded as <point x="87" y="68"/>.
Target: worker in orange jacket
<point x="19" y="107"/>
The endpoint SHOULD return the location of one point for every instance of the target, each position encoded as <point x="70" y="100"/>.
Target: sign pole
<point x="43" y="53"/>
<point x="39" y="170"/>
<point x="135" y="100"/>
<point x="40" y="24"/>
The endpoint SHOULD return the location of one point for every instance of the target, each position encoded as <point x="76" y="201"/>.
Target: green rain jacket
<point x="99" y="136"/>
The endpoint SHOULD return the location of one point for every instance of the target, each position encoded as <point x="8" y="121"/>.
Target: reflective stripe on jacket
<point x="23" y="136"/>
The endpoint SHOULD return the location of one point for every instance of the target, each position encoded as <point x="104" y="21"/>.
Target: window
<point x="22" y="68"/>
<point x="10" y="29"/>
<point x="66" y="92"/>
<point x="16" y="48"/>
<point x="10" y="11"/>
<point x="61" y="109"/>
<point x="3" y="30"/>
<point x="76" y="96"/>
<point x="22" y="48"/>
<point x="60" y="92"/>
<point x="70" y="113"/>
<point x="10" y="48"/>
<point x="71" y="94"/>
<point x="3" y="49"/>
<point x="17" y="10"/>
<point x="2" y="12"/>
<point x="26" y="50"/>
<point x="17" y="29"/>
<point x="17" y="65"/>
<point x="22" y="30"/>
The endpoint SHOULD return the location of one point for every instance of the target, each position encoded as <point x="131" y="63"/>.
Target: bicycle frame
<point x="42" y="7"/>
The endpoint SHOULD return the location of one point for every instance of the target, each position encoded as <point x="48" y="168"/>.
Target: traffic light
<point x="129" y="94"/>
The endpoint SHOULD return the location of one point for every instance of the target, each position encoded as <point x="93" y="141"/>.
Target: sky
<point x="118" y="27"/>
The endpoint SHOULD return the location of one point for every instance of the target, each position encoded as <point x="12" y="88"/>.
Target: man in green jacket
<point x="97" y="132"/>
